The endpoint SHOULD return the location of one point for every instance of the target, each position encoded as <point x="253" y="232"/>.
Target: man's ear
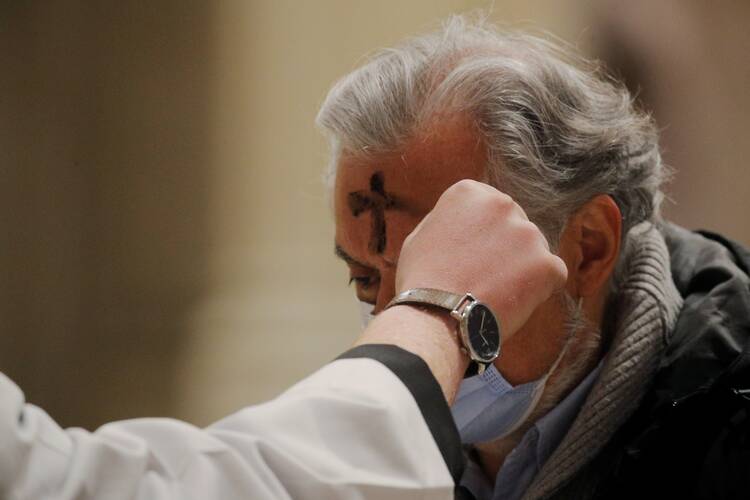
<point x="590" y="245"/>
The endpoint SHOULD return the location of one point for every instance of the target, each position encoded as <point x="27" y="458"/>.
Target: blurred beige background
<point x="167" y="242"/>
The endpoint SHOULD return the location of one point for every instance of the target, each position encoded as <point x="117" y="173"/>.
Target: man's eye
<point x="362" y="281"/>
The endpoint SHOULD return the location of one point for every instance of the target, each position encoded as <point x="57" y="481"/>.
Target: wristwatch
<point x="478" y="328"/>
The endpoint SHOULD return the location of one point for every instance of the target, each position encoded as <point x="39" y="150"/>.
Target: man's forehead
<point x="412" y="183"/>
<point x="380" y="174"/>
<point x="379" y="198"/>
<point x="442" y="154"/>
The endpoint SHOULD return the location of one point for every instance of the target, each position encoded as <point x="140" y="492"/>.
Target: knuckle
<point x="501" y="202"/>
<point x="562" y="269"/>
<point x="466" y="183"/>
<point x="457" y="192"/>
<point x="529" y="233"/>
<point x="463" y="187"/>
<point x="409" y="240"/>
<point x="554" y="269"/>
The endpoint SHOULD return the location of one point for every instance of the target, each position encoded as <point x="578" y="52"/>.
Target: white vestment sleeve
<point x="371" y="424"/>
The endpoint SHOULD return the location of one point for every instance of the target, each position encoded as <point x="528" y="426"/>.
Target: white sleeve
<point x="371" y="424"/>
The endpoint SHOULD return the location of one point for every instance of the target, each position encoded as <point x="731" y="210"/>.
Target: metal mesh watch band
<point x="439" y="298"/>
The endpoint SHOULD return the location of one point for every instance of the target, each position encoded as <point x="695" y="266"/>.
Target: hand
<point x="477" y="239"/>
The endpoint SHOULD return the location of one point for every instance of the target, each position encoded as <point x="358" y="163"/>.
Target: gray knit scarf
<point x="646" y="311"/>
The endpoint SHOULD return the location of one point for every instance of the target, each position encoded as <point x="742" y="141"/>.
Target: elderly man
<point x="634" y="379"/>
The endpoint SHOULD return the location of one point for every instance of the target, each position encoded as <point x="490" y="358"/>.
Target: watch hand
<point x="481" y="330"/>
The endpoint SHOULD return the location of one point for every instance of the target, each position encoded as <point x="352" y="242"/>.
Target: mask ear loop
<point x="542" y="383"/>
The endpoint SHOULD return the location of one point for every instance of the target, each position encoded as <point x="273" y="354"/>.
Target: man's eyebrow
<point x="340" y="253"/>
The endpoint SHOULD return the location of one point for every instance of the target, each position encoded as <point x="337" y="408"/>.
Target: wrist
<point x="477" y="327"/>
<point x="427" y="332"/>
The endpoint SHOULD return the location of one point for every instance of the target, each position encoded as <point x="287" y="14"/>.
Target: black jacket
<point x="690" y="437"/>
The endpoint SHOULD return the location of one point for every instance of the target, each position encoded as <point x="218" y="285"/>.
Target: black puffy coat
<point x="690" y="437"/>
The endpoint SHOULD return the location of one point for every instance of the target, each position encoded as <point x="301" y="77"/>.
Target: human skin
<point x="534" y="273"/>
<point x="415" y="177"/>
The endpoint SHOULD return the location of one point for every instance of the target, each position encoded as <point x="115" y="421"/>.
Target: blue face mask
<point x="365" y="313"/>
<point x="487" y="407"/>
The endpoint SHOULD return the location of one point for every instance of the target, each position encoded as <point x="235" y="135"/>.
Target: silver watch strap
<point x="446" y="300"/>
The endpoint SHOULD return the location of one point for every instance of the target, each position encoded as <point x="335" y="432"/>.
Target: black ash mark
<point x="376" y="201"/>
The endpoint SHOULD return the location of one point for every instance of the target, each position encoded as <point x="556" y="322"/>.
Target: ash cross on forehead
<point x="376" y="201"/>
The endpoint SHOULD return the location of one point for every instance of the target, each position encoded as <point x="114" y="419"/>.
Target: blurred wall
<point x="105" y="153"/>
<point x="688" y="62"/>
<point x="169" y="244"/>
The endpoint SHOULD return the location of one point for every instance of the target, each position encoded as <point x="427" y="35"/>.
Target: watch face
<point x="483" y="332"/>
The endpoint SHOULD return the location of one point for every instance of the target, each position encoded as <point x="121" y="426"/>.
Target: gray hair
<point x="557" y="130"/>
